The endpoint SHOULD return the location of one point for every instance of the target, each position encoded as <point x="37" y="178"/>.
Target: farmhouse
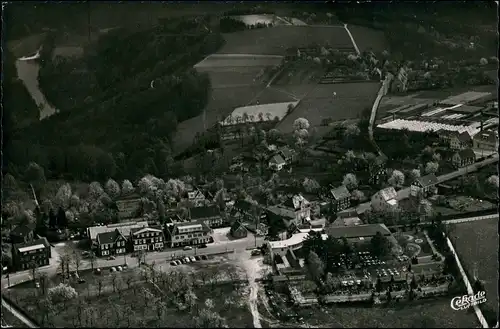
<point x="385" y="200"/>
<point x="486" y="140"/>
<point x="21" y="234"/>
<point x="340" y="198"/>
<point x="196" y="197"/>
<point x="424" y="185"/>
<point x="463" y="158"/>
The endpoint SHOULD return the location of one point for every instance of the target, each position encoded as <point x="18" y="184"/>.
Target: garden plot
<point x="321" y="103"/>
<point x="276" y="40"/>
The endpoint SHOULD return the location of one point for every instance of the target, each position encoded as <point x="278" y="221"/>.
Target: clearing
<point x="477" y="246"/>
<point x="320" y="103"/>
<point x="276" y="40"/>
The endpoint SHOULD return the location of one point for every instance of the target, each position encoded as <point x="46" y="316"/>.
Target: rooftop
<point x="33" y="245"/>
<point x="348" y="232"/>
<point x="428" y="180"/>
<point x="124" y="228"/>
<point x="423" y="126"/>
<point x="277" y="159"/>
<point x="340" y="192"/>
<point x="109" y="237"/>
<point x="466" y="97"/>
<point x="296" y="202"/>
<point x="293" y="241"/>
<point x="388" y="193"/>
<point x="204" y="212"/>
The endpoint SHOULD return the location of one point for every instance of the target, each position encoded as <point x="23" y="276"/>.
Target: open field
<point x="276" y="40"/>
<point x="143" y="298"/>
<point x="230" y="77"/>
<point x="299" y="73"/>
<point x="368" y="39"/>
<point x="320" y="103"/>
<point x="477" y="245"/>
<point x="222" y="102"/>
<point x="273" y="95"/>
<point x="218" y="60"/>
<point x="419" y="314"/>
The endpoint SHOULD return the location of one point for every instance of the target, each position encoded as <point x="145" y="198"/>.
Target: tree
<point x="70" y="216"/>
<point x="380" y="245"/>
<point x="273" y="135"/>
<point x="127" y="187"/>
<point x="62" y="221"/>
<point x="209" y="319"/>
<point x="397" y="179"/>
<point x="425" y="208"/>
<point x="414" y="175"/>
<point x="310" y="185"/>
<point x="492" y="181"/>
<point x="95" y="190"/>
<point x="357" y="195"/>
<point x="483" y="61"/>
<point x="175" y="188"/>
<point x="10" y="186"/>
<point x="431" y="167"/>
<point x="63" y="196"/>
<point x="315" y="265"/>
<point x="52" y="218"/>
<point x="112" y="188"/>
<point x="35" y="175"/>
<point x="350" y="181"/>
<point x="62" y="293"/>
<point x="301" y="123"/>
<point x="74" y="201"/>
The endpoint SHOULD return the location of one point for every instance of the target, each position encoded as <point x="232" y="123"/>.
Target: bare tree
<point x="114" y="279"/>
<point x="99" y="285"/>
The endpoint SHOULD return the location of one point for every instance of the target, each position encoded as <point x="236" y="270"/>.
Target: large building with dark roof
<point x="188" y="234"/>
<point x="35" y="253"/>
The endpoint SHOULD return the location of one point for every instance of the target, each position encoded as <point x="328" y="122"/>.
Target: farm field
<point x="477" y="244"/>
<point x="368" y="39"/>
<point x="276" y="40"/>
<point x="273" y="95"/>
<point x="235" y="60"/>
<point x="320" y="103"/>
<point x="222" y="102"/>
<point x="231" y="77"/>
<point x="299" y="73"/>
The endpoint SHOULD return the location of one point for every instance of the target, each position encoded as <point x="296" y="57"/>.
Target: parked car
<point x="81" y="281"/>
<point x="256" y="252"/>
<point x="204" y="257"/>
<point x="37" y="284"/>
<point x="111" y="258"/>
<point x="178" y="262"/>
<point x="97" y="271"/>
<point x="173" y="263"/>
<point x="202" y="246"/>
<point x="192" y="259"/>
<point x="197" y="257"/>
<point x="188" y="248"/>
<point x="113" y="269"/>
<point x="187" y="260"/>
<point x="119" y="268"/>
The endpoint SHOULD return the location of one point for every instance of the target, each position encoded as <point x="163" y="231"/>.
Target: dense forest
<point x="119" y="104"/>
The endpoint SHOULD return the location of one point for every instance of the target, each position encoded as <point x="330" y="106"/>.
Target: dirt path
<point x="252" y="270"/>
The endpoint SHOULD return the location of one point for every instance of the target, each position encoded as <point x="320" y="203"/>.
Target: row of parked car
<point x="188" y="259"/>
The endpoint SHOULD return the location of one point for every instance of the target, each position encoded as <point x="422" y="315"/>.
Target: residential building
<point x="463" y="158"/>
<point x="347" y="218"/>
<point x="21" y="234"/>
<point x="295" y="210"/>
<point x="210" y="215"/>
<point x="238" y="230"/>
<point x="378" y="173"/>
<point x="424" y="185"/>
<point x="277" y="162"/>
<point x="340" y="198"/>
<point x="124" y="229"/>
<point x="31" y="254"/>
<point x="147" y="238"/>
<point x="196" y="197"/>
<point x="111" y="243"/>
<point x="129" y="206"/>
<point x="486" y="140"/>
<point x="385" y="200"/>
<point x="188" y="233"/>
<point x="287" y="154"/>
<point x="460" y="141"/>
<point x="245" y="210"/>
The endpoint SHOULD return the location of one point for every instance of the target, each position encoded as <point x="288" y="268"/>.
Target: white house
<point x="385" y="199"/>
<point x="188" y="233"/>
<point x="277" y="162"/>
<point x="295" y="210"/>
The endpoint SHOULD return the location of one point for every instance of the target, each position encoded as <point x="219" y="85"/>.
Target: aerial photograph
<point x="210" y="164"/>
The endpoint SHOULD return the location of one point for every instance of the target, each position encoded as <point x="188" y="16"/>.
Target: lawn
<point x="137" y="299"/>
<point x="477" y="246"/>
<point x="320" y="103"/>
<point x="276" y="40"/>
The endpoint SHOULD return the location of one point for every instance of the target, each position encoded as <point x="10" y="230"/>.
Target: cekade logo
<point x="466" y="301"/>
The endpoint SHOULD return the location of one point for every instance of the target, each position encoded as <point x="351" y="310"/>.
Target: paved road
<point x="157" y="257"/>
<point x="381" y="93"/>
<point x="405" y="193"/>
<point x="352" y="39"/>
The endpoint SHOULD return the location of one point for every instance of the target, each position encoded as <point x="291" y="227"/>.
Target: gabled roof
<point x="464" y="137"/>
<point x="135" y="231"/>
<point x="196" y="194"/>
<point x="43" y="241"/>
<point x="487" y="135"/>
<point x="237" y="225"/>
<point x="286" y="151"/>
<point x="204" y="212"/>
<point x="388" y="193"/>
<point x="428" y="180"/>
<point x="295" y="202"/>
<point x="109" y="237"/>
<point x="243" y="205"/>
<point x="277" y="159"/>
<point x="198" y="226"/>
<point x="124" y="228"/>
<point x="340" y="193"/>
<point x="466" y="154"/>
